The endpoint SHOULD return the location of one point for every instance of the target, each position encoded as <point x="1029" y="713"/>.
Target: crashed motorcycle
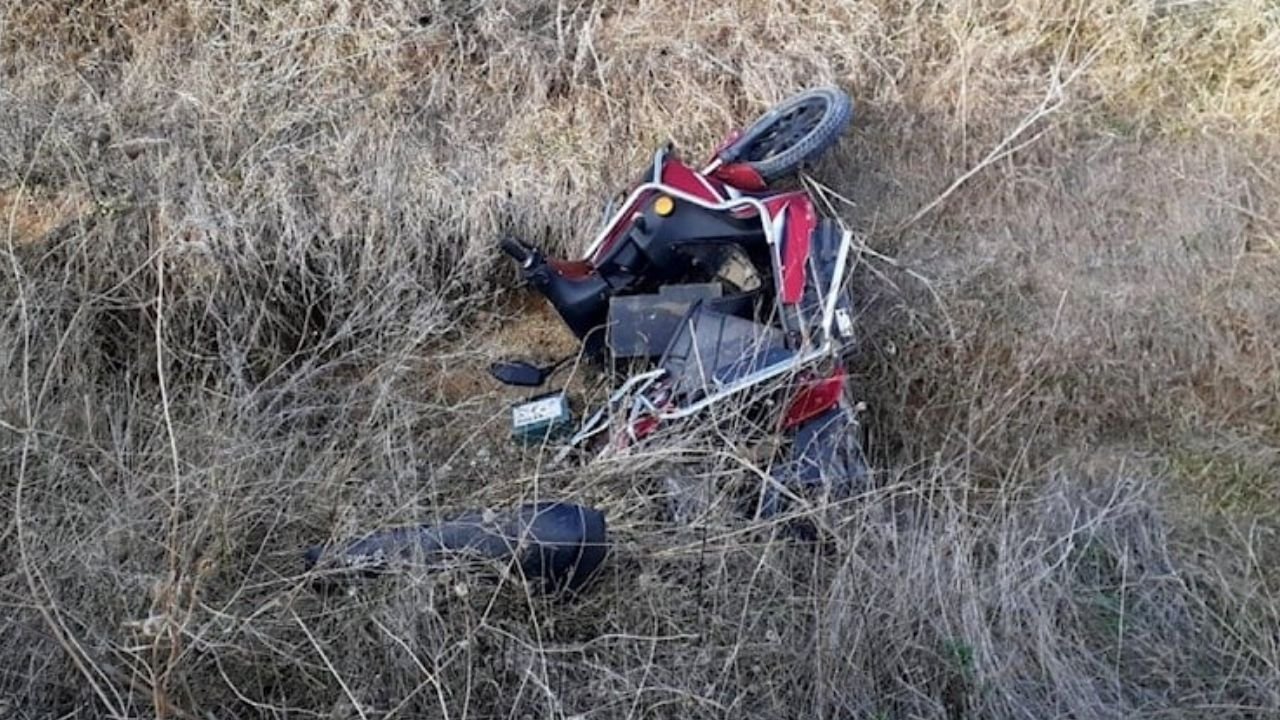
<point x="707" y="288"/>
<point x="710" y="286"/>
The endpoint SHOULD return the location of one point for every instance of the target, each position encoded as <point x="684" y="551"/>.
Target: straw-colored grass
<point x="248" y="287"/>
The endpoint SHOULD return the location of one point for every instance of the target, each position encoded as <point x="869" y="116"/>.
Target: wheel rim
<point x="787" y="130"/>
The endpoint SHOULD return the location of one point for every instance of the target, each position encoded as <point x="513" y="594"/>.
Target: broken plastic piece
<point x="714" y="347"/>
<point x="558" y="545"/>
<point x="641" y="326"/>
<point x="826" y="455"/>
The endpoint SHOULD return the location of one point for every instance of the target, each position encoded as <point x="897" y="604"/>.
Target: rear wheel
<point x="793" y="133"/>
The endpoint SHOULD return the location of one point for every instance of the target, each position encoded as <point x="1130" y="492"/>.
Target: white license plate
<point x="532" y="413"/>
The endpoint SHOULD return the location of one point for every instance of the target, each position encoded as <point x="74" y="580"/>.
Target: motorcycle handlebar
<point x="517" y="250"/>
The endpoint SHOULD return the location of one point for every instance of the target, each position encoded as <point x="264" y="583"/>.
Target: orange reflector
<point x="664" y="206"/>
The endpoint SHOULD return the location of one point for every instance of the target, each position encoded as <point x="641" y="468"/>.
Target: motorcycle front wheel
<point x="793" y="133"/>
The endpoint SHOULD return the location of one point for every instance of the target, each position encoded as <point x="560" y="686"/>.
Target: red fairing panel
<point x="741" y="176"/>
<point x="776" y="204"/>
<point x="815" y="398"/>
<point x="686" y="180"/>
<point x="798" y="225"/>
<point x="675" y="174"/>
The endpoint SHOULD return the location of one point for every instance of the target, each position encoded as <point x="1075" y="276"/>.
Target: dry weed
<point x="248" y="288"/>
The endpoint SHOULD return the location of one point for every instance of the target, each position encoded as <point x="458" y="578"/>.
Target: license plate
<point x="538" y="411"/>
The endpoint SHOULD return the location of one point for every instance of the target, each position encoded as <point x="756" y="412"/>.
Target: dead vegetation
<point x="247" y="281"/>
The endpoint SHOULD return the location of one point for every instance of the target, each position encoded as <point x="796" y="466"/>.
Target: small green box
<point x="545" y="417"/>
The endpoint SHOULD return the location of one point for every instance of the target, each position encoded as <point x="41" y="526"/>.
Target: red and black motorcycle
<point x="714" y="286"/>
<point x="717" y="285"/>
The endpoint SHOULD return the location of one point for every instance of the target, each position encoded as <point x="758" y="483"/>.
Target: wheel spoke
<point x="786" y="131"/>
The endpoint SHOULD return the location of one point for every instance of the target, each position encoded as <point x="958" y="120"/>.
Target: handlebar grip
<point x="516" y="250"/>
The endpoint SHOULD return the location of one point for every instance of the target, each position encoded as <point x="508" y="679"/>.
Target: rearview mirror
<point x="518" y="372"/>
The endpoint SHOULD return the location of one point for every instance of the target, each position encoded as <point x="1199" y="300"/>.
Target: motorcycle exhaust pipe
<point x="559" y="546"/>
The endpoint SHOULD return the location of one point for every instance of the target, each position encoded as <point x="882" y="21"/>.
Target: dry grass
<point x="248" y="284"/>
